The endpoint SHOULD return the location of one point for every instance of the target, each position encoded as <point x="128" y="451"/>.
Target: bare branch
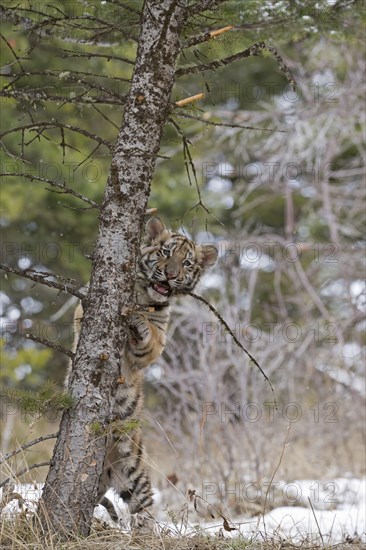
<point x="27" y="445"/>
<point x="224" y="323"/>
<point x="42" y="279"/>
<point x="255" y="49"/>
<point x="75" y="79"/>
<point x="11" y="15"/>
<point x="63" y="187"/>
<point x="189" y="165"/>
<point x="71" y="53"/>
<point x="39" y="95"/>
<point x="48" y="25"/>
<point x="210" y="123"/>
<point x="50" y="344"/>
<point x="311" y="291"/>
<point x="68" y="77"/>
<point x="58" y="125"/>
<point x="105" y="117"/>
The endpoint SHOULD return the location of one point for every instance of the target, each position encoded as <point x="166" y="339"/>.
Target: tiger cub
<point x="169" y="265"/>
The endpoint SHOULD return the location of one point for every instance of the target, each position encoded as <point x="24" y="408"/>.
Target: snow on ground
<point x="347" y="519"/>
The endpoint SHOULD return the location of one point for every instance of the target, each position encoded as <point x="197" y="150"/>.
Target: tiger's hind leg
<point x="134" y="494"/>
<point x="126" y="472"/>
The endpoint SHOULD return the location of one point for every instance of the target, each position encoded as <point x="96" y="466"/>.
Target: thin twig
<point x="228" y="125"/>
<point x="273" y="475"/>
<point x="25" y="471"/>
<point x="316" y="521"/>
<point x="189" y="164"/>
<point x="103" y="115"/>
<point x="224" y="323"/>
<point x="50" y="344"/>
<point x="12" y="51"/>
<point x="27" y="445"/>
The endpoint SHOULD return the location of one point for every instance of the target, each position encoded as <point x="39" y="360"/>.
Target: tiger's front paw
<point x="139" y="330"/>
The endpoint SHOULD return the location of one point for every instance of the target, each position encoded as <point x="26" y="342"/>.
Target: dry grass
<point x="22" y="534"/>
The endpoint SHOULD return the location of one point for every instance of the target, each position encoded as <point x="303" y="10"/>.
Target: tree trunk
<point x="71" y="487"/>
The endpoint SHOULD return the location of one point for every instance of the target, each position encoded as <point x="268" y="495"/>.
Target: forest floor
<point x="284" y="527"/>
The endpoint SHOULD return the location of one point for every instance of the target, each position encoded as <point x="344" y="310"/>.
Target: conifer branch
<point x="42" y="401"/>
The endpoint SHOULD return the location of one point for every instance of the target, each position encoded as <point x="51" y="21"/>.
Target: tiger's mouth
<point x="162" y="289"/>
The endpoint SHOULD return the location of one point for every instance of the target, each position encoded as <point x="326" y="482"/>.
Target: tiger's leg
<point x="146" y="341"/>
<point x="126" y="471"/>
<point x="125" y="466"/>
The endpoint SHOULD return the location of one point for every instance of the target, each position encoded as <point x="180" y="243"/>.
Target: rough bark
<point x="79" y="453"/>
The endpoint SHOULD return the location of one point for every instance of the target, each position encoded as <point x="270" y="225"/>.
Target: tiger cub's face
<point x="171" y="263"/>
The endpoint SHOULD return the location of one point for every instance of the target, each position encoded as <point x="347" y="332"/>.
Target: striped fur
<point x="169" y="265"/>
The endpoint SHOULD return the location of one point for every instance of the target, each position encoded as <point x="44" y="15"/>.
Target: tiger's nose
<point x="171" y="271"/>
<point x="171" y="274"/>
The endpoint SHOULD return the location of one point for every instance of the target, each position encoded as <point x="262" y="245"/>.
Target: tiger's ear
<point x="154" y="228"/>
<point x="209" y="255"/>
